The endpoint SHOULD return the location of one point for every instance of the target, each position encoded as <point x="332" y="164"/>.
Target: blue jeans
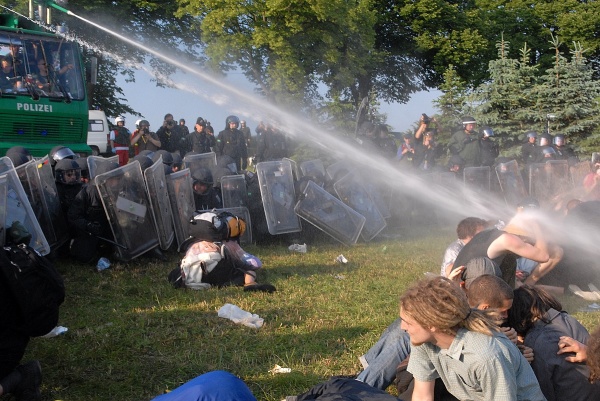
<point x="384" y="357"/>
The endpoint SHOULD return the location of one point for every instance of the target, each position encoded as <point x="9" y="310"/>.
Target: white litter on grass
<point x="58" y="330"/>
<point x="297" y="248"/>
<point x="278" y="369"/>
<point x="341" y="259"/>
<point x="238" y="315"/>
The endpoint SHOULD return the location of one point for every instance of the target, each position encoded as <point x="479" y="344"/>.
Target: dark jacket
<point x="559" y="379"/>
<point x="201" y="142"/>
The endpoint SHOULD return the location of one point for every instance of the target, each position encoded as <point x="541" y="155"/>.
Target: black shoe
<point x="260" y="287"/>
<point x="31" y="379"/>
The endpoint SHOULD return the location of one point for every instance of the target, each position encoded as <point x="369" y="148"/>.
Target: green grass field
<point x="132" y="336"/>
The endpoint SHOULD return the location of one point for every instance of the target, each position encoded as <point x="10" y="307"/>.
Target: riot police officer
<point x="231" y="142"/>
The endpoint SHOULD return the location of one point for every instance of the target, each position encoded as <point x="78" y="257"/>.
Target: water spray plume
<point x="458" y="200"/>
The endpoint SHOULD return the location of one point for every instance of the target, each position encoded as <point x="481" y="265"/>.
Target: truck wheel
<point x="95" y="151"/>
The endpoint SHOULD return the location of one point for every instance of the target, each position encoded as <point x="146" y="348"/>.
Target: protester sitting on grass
<point x="462" y="346"/>
<point x="389" y="355"/>
<point x="537" y="317"/>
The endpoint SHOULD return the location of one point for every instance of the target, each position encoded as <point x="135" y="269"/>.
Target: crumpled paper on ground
<point x="238" y="315"/>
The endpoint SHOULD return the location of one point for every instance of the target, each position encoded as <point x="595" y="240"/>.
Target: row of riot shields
<point x="544" y="181"/>
<point x="351" y="208"/>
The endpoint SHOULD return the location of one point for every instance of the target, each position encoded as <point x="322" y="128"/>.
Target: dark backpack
<point x="214" y="227"/>
<point x="36" y="286"/>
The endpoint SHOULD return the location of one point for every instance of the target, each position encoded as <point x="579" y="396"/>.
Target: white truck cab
<point x="98" y="133"/>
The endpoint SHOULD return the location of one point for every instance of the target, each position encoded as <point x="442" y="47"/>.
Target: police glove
<point x="94" y="228"/>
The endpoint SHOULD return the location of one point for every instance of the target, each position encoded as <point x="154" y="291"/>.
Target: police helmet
<point x="144" y="161"/>
<point x="202" y="175"/>
<point x="167" y="157"/>
<point x="85" y="170"/>
<point x="468" y="120"/>
<point x="177" y="160"/>
<point x="531" y="134"/>
<point x="230" y="120"/>
<point x="146" y="152"/>
<point x="548" y="151"/>
<point x="545" y="139"/>
<point x="559" y="140"/>
<point x="65" y="169"/>
<point x="120" y="119"/>
<point x="18" y="155"/>
<point x="60" y="152"/>
<point x="488" y="131"/>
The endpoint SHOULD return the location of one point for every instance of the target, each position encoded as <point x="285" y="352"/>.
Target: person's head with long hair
<point x="440" y="303"/>
<point x="530" y="304"/>
<point x="593" y="355"/>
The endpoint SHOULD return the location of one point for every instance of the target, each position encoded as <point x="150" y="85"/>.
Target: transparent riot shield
<point x="278" y="194"/>
<point x="351" y="191"/>
<point x="295" y="169"/>
<point x="99" y="165"/>
<point x="578" y="172"/>
<point x="549" y="180"/>
<point x="195" y="161"/>
<point x="538" y="184"/>
<point x="379" y="189"/>
<point x="158" y="194"/>
<point x="244" y="214"/>
<point x="477" y="179"/>
<point x="18" y="209"/>
<point x="339" y="169"/>
<point x="312" y="168"/>
<point x="329" y="214"/>
<point x="179" y="185"/>
<point x="128" y="209"/>
<point x="511" y="183"/>
<point x="234" y="191"/>
<point x="559" y="180"/>
<point x="40" y="188"/>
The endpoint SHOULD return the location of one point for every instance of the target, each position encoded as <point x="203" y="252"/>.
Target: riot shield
<point x="234" y="191"/>
<point x="295" y="168"/>
<point x="339" y="169"/>
<point x="329" y="214"/>
<point x="559" y="181"/>
<point x="548" y="180"/>
<point x="40" y="188"/>
<point x="195" y="161"/>
<point x="126" y="204"/>
<point x="277" y="190"/>
<point x="312" y="168"/>
<point x="351" y="191"/>
<point x="243" y="213"/>
<point x="158" y="194"/>
<point x="99" y="165"/>
<point x="511" y="183"/>
<point x="18" y="209"/>
<point x="578" y="172"/>
<point x="179" y="185"/>
<point x="477" y="179"/>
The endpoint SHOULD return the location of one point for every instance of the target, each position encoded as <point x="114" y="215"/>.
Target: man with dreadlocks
<point x="462" y="346"/>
